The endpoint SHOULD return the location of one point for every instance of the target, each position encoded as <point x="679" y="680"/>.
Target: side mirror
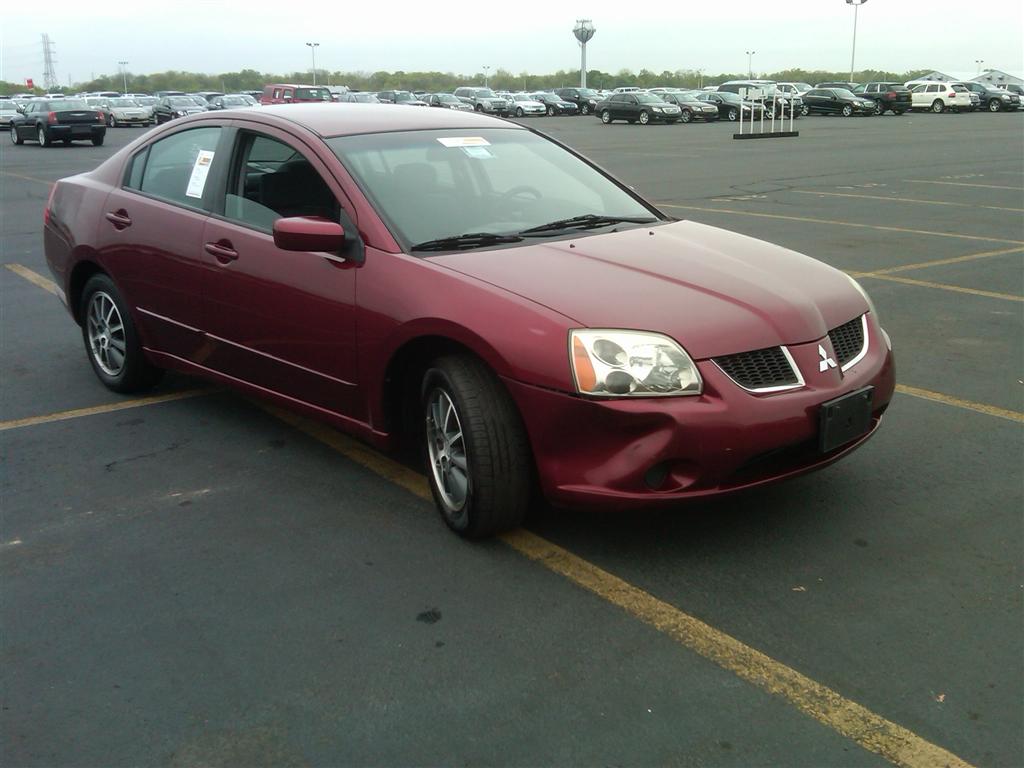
<point x="308" y="233"/>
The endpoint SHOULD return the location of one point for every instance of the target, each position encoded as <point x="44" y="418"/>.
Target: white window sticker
<point x="464" y="141"/>
<point x="201" y="169"/>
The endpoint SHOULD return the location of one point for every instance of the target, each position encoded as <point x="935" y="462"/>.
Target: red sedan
<point x="468" y="283"/>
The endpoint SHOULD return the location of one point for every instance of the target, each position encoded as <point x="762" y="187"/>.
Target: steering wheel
<point x="523" y="190"/>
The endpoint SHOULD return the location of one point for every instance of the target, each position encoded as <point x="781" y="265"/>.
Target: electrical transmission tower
<point x="49" y="73"/>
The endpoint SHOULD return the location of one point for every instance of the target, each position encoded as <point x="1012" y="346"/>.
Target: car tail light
<point x="49" y="202"/>
<point x="51" y="118"/>
<point x="891" y="95"/>
<point x="100" y="118"/>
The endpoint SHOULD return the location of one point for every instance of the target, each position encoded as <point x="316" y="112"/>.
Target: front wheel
<point x="111" y="122"/>
<point x="584" y="109"/>
<point x="645" y="117"/>
<point x="733" y="115"/>
<point x="805" y="111"/>
<point x="994" y="105"/>
<point x="938" y="107"/>
<point x="847" y="110"/>
<point x="686" y="116"/>
<point x="15" y="138"/>
<point x="519" y="111"/>
<point x="879" y="107"/>
<point x="479" y="466"/>
<point x="111" y="341"/>
<point x="606" y="117"/>
<point x="551" y="111"/>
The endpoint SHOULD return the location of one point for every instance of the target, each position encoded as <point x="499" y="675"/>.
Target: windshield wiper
<point x="465" y="242"/>
<point x="587" y="221"/>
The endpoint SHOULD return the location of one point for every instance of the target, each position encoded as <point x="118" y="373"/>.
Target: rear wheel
<point x="805" y="111"/>
<point x="479" y="465"/>
<point x="687" y="116"/>
<point x="645" y="117"/>
<point x="519" y="111"/>
<point x="606" y="117"/>
<point x="879" y="107"/>
<point x="97" y="141"/>
<point x="898" y="112"/>
<point x="111" y="341"/>
<point x="584" y="109"/>
<point x="43" y="137"/>
<point x="938" y="106"/>
<point x="111" y="122"/>
<point x="732" y="115"/>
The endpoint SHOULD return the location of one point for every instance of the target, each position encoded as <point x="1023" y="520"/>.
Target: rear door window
<point x="178" y="167"/>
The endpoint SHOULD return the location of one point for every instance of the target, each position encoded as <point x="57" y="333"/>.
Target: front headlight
<point x="615" y="363"/>
<point x="1004" y="97"/>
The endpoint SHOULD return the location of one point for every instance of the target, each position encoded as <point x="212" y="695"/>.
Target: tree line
<point x="500" y="79"/>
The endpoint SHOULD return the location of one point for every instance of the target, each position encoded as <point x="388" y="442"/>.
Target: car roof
<point x="344" y="119"/>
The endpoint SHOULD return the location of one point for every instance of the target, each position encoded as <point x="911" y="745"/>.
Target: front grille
<point x="847" y="340"/>
<point x="759" y="370"/>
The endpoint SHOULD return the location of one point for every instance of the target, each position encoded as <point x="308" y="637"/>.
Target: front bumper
<point x="643" y="452"/>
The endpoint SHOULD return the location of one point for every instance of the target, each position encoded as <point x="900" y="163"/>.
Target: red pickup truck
<point x="286" y="93"/>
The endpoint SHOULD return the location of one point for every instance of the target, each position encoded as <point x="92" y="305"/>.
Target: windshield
<point x="649" y="98"/>
<point x="484" y="93"/>
<point x="123" y="103"/>
<point x="442" y="183"/>
<point x="404" y="96"/>
<point x="181" y="101"/>
<point x="447" y="98"/>
<point x="843" y="93"/>
<point x="146" y="101"/>
<point x="7" y="107"/>
<point x="368" y="98"/>
<point x="523" y="97"/>
<point x="313" y="93"/>
<point x="589" y="93"/>
<point x="234" y="101"/>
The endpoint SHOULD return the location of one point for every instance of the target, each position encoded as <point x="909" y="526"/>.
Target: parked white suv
<point x="939" y="96"/>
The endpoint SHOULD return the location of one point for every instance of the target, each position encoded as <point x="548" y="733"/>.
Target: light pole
<point x="700" y="79"/>
<point x="584" y="30"/>
<point x="124" y="76"/>
<point x="979" y="62"/>
<point x="487" y="69"/>
<point x="750" y="66"/>
<point x="853" y="51"/>
<point x="312" y="49"/>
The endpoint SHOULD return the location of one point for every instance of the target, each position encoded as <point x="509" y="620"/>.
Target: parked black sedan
<point x="638" y="107"/>
<point x="894" y="96"/>
<point x="64" y="120"/>
<point x="447" y="101"/>
<point x="837" y="101"/>
<point x="170" y="107"/>
<point x="556" y="104"/>
<point x="729" y="105"/>
<point x="690" y="107"/>
<point x="584" y="98"/>
<point x="230" y="101"/>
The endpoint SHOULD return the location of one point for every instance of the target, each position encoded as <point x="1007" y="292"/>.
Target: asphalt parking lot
<point x="194" y="580"/>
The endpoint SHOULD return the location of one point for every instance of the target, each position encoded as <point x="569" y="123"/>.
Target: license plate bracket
<point x="844" y="419"/>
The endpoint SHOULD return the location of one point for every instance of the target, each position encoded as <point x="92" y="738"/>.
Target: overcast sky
<point x="524" y="35"/>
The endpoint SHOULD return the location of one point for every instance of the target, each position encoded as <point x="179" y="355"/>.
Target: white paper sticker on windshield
<point x="201" y="169"/>
<point x="464" y="141"/>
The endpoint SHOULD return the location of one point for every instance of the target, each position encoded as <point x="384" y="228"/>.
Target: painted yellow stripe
<point x="942" y="262"/>
<point x="27" y="178"/>
<point x="872" y="732"/>
<point x="832" y="222"/>
<point x="907" y="200"/>
<point x="939" y="286"/>
<point x="962" y="184"/>
<point x="35" y="278"/>
<point x="938" y="397"/>
<point x="123" y="405"/>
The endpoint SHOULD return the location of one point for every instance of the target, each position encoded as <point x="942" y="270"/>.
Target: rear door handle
<point x="119" y="218"/>
<point x="222" y="251"/>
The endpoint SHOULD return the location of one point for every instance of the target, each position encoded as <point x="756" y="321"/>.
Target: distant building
<point x="991" y="76"/>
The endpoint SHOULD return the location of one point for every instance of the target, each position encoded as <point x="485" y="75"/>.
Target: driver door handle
<point x="119" y="218"/>
<point x="222" y="251"/>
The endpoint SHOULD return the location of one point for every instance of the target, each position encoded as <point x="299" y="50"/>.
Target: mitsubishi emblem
<point x="826" y="362"/>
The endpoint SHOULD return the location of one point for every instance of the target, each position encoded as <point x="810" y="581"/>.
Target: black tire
<point x="938" y="107"/>
<point x="15" y="138"/>
<point x="479" y="108"/>
<point x="732" y="115"/>
<point x="136" y="373"/>
<point x="994" y="105"/>
<point x="645" y="117"/>
<point x="879" y="107"/>
<point x="847" y="110"/>
<point x="584" y="109"/>
<point x="606" y="117"/>
<point x="551" y="110"/>
<point x="97" y="141"/>
<point x="519" y="111"/>
<point x="43" y="137"/>
<point x="805" y="110"/>
<point x="686" y="116"/>
<point x="111" y="122"/>
<point x="499" y="471"/>
<point x="898" y="112"/>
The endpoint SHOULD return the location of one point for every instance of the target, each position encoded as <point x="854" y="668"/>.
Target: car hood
<point x="716" y="292"/>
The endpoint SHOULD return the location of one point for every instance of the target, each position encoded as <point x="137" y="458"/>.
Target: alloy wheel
<point x="645" y="118"/>
<point x="107" y="342"/>
<point x="446" y="447"/>
<point x="606" y="117"/>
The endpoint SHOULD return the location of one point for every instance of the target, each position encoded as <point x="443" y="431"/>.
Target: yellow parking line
<point x="35" y="278"/>
<point x="941" y="262"/>
<point x="124" y="405"/>
<point x="908" y="200"/>
<point x="938" y="397"/>
<point x="940" y="286"/>
<point x="27" y="178"/>
<point x="871" y="731"/>
<point x="833" y="222"/>
<point x="961" y="184"/>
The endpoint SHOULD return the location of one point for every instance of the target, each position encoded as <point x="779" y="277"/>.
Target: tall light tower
<point x="124" y="76"/>
<point x="853" y="51"/>
<point x="979" y="62"/>
<point x="486" y="68"/>
<point x="584" y="30"/>
<point x="312" y="49"/>
<point x="750" y="64"/>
